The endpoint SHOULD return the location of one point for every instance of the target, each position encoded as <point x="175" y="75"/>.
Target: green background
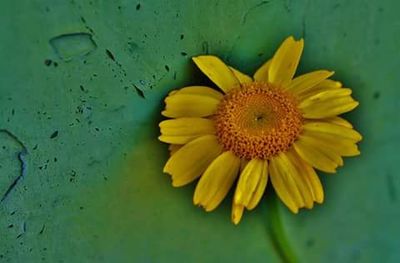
<point x="81" y="89"/>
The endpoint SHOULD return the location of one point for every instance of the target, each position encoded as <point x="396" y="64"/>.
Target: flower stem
<point x="279" y="235"/>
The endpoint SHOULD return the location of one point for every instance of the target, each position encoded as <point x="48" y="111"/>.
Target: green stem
<point x="278" y="234"/>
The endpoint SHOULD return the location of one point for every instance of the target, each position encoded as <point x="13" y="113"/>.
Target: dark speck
<point x="166" y="68"/>
<point x="184" y="54"/>
<point x="310" y="242"/>
<point x="42" y="230"/>
<point x="138" y="6"/>
<point x="55" y="64"/>
<point x="54" y="135"/>
<point x="47" y="62"/>
<point x="182" y="36"/>
<point x="377" y="94"/>
<point x="110" y="55"/>
<point x="139" y="92"/>
<point x="10" y="226"/>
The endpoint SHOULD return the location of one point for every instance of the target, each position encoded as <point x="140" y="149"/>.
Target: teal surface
<point x="81" y="89"/>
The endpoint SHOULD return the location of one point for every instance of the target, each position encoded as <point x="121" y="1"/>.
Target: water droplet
<point x="68" y="46"/>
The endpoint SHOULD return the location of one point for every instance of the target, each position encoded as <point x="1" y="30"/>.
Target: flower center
<point x="257" y="120"/>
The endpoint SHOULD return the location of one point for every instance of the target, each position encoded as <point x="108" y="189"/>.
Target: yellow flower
<point x="269" y="126"/>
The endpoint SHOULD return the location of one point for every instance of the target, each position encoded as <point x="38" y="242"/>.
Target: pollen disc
<point x="257" y="120"/>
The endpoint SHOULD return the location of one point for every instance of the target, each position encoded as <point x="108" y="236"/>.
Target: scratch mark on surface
<point x="204" y="47"/>
<point x="139" y="92"/>
<point x="87" y="26"/>
<point x="23" y="230"/>
<point x="42" y="230"/>
<point x="123" y="72"/>
<point x="21" y="157"/>
<point x="251" y="9"/>
<point x="110" y="55"/>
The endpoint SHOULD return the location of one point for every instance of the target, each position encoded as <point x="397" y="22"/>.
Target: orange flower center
<point x="257" y="120"/>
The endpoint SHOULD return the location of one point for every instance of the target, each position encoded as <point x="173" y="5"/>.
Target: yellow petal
<point x="260" y="189"/>
<point x="201" y="90"/>
<point x="290" y="171"/>
<point x="216" y="70"/>
<point x="172" y="92"/>
<point x="329" y="84"/>
<point x="314" y="156"/>
<point x="237" y="213"/>
<point x="243" y="78"/>
<point x="284" y="187"/>
<point x="173" y="148"/>
<point x="339" y="121"/>
<point x="328" y="104"/>
<point x="262" y="73"/>
<point x="339" y="145"/>
<point x="325" y="96"/>
<point x="323" y="86"/>
<point x="330" y="109"/>
<point x="216" y="181"/>
<point x="339" y="131"/>
<point x="307" y="81"/>
<point x="324" y="149"/>
<point x="309" y="176"/>
<point x="315" y="183"/>
<point x="189" y="105"/>
<point x="183" y="130"/>
<point x="190" y="161"/>
<point x="284" y="63"/>
<point x="248" y="181"/>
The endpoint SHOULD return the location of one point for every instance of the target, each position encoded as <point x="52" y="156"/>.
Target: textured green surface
<point x="96" y="72"/>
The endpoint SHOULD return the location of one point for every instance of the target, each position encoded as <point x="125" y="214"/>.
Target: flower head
<point x="271" y="126"/>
